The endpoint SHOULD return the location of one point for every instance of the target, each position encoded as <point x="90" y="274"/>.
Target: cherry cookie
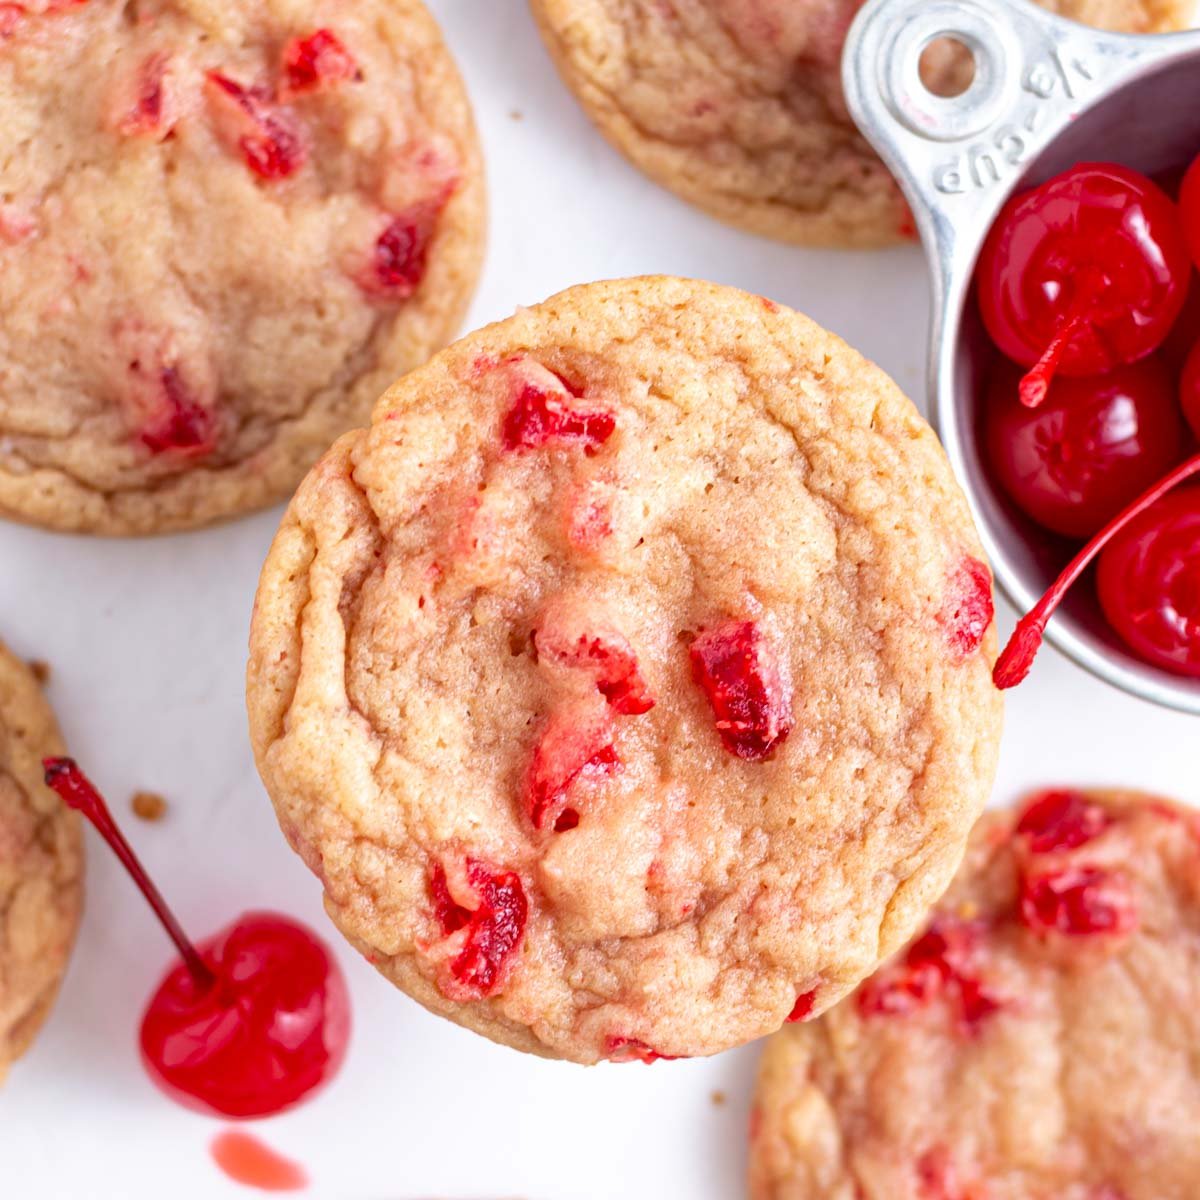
<point x="737" y="106"/>
<point x="41" y="864"/>
<point x="225" y="228"/>
<point x="1035" y="1042"/>
<point x="626" y="683"/>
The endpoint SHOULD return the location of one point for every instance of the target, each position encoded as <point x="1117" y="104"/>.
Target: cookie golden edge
<point x="276" y="646"/>
<point x="33" y="734"/>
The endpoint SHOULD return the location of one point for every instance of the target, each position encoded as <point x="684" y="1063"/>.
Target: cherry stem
<point x="1017" y="657"/>
<point x="1035" y="386"/>
<point x="78" y="792"/>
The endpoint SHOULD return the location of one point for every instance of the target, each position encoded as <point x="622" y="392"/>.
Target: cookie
<point x="626" y="683"/>
<point x="41" y="864"/>
<point x="225" y="227"/>
<point x="737" y="106"/>
<point x="1036" y="1042"/>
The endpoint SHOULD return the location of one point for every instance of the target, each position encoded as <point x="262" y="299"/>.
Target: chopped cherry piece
<point x="1095" y="444"/>
<point x="1061" y="820"/>
<point x="1160" y="614"/>
<point x="565" y="640"/>
<point x="539" y="417"/>
<point x="11" y="16"/>
<point x="400" y="256"/>
<point x="144" y="116"/>
<point x="576" y="741"/>
<point x="747" y="687"/>
<point x="1084" y="273"/>
<point x="968" y="610"/>
<point x="264" y="133"/>
<point x="253" y="1020"/>
<point x="184" y="426"/>
<point x="488" y="927"/>
<point x="802" y="1009"/>
<point x="1078" y="901"/>
<point x="938" y="1178"/>
<point x="1189" y="390"/>
<point x="1189" y="207"/>
<point x="316" y="63"/>
<point x="942" y="960"/>
<point x="1149" y="583"/>
<point x="625" y="1049"/>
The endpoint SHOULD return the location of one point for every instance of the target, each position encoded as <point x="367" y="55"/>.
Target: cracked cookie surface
<point x="626" y="683"/>
<point x="225" y="228"/>
<point x="1036" y="1042"/>
<point x="41" y="864"/>
<point x="736" y="105"/>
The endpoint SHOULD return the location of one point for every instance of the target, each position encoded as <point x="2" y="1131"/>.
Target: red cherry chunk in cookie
<point x="144" y="116"/>
<point x="490" y="927"/>
<point x="539" y="416"/>
<point x="968" y="610"/>
<point x="802" y="1008"/>
<point x="626" y="1049"/>
<point x="565" y="640"/>
<point x="1078" y="902"/>
<point x="749" y="692"/>
<point x="183" y="426"/>
<point x="938" y="1178"/>
<point x="940" y="961"/>
<point x="577" y="740"/>
<point x="317" y="62"/>
<point x="400" y="255"/>
<point x="265" y="135"/>
<point x="1061" y="820"/>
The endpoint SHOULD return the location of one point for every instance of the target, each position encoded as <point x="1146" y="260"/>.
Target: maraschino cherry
<point x="1189" y="389"/>
<point x="1189" y="207"/>
<point x="1096" y="444"/>
<point x="254" y="1019"/>
<point x="1083" y="274"/>
<point x="1148" y="579"/>
<point x="1150" y="586"/>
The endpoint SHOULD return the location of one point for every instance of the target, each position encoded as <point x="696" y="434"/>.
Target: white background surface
<point x="147" y="642"/>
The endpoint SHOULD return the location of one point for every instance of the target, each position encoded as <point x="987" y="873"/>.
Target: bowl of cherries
<point x="1058" y="198"/>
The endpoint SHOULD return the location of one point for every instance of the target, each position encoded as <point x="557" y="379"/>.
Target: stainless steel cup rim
<point x="957" y="161"/>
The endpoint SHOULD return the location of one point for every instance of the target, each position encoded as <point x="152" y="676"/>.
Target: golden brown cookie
<point x="41" y="863"/>
<point x="1036" y="1042"/>
<point x="737" y="106"/>
<point x="225" y="227"/>
<point x="626" y="683"/>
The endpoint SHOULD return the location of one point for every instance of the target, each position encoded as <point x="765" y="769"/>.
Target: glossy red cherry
<point x="1189" y="207"/>
<point x="1189" y="389"/>
<point x="1153" y="583"/>
<point x="1082" y="274"/>
<point x="1095" y="444"/>
<point x="1149" y="583"/>
<point x="253" y="1020"/>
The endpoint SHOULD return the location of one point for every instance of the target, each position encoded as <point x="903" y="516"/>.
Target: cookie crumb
<point x="718" y="1098"/>
<point x="516" y="115"/>
<point x="41" y="670"/>
<point x="149" y="806"/>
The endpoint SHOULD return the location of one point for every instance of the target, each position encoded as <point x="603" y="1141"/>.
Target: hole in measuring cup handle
<point x="994" y="89"/>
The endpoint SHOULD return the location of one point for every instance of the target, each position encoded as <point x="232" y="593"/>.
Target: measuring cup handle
<point x="956" y="158"/>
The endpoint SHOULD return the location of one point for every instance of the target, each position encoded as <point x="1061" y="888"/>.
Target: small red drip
<point x="251" y="1163"/>
<point x="253" y="1020"/>
<point x="1017" y="657"/>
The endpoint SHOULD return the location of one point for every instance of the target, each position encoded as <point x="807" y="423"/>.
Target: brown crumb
<point x="516" y="114"/>
<point x="150" y="806"/>
<point x="41" y="670"/>
<point x="718" y="1098"/>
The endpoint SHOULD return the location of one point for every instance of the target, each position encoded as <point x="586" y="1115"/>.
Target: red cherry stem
<point x="1017" y="657"/>
<point x="1035" y="386"/>
<point x="78" y="792"/>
